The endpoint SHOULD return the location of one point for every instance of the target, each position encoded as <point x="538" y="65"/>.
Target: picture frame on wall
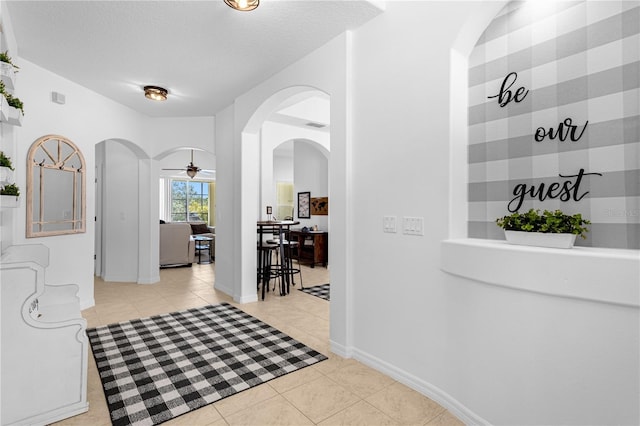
<point x="320" y="206"/>
<point x="304" y="205"/>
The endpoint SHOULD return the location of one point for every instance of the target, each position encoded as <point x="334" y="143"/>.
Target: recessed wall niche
<point x="55" y="188"/>
<point x="554" y="117"/>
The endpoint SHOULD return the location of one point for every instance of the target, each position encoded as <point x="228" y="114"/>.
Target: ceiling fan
<point x="191" y="169"/>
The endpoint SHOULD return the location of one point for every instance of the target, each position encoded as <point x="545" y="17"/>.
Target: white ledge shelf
<point x="8" y="76"/>
<point x="9" y="114"/>
<point x="9" y="201"/>
<point x="595" y="274"/>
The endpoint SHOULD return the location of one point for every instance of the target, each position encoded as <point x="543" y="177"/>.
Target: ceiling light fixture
<point x="243" y="5"/>
<point x="155" y="93"/>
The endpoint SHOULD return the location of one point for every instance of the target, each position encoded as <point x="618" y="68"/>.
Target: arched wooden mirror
<point x="55" y="188"/>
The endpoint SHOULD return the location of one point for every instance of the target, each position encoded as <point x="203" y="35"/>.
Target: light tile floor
<point x="337" y="391"/>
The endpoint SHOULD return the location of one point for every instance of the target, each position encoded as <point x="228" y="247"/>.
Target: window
<point x="190" y="200"/>
<point x="284" y="194"/>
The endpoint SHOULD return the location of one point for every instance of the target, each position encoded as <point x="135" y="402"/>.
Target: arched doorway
<point x="290" y="114"/>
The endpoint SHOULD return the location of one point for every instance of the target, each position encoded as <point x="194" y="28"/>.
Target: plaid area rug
<point x="321" y="291"/>
<point x="157" y="368"/>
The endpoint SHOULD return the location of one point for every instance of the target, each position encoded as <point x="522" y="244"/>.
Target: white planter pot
<point x="540" y="239"/>
<point x="8" y="75"/>
<point x="9" y="114"/>
<point x="9" y="201"/>
<point x="6" y="175"/>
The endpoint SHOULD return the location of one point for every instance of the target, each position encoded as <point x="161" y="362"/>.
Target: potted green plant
<point x="4" y="57"/>
<point x="549" y="229"/>
<point x="10" y="189"/>
<point x="5" y="161"/>
<point x="15" y="102"/>
<point x="14" y="110"/>
<point x="8" y="69"/>
<point x="9" y="195"/>
<point x="6" y="167"/>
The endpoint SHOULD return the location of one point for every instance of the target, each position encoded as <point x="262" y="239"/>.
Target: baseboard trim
<point x="454" y="406"/>
<point x="86" y="304"/>
<point x="226" y="290"/>
<point x="251" y="298"/>
<point x="148" y="280"/>
<point x="340" y="349"/>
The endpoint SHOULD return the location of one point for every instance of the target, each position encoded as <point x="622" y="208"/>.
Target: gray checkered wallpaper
<point x="567" y="75"/>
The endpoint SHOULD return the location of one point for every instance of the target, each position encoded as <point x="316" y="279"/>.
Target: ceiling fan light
<point x="192" y="173"/>
<point x="243" y="5"/>
<point x="155" y="93"/>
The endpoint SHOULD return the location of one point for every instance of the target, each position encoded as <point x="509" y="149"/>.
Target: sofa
<point x="177" y="247"/>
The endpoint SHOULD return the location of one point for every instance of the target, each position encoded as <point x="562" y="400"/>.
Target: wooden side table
<point x="313" y="247"/>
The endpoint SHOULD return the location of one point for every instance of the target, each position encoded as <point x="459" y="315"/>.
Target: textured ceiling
<point x="203" y="52"/>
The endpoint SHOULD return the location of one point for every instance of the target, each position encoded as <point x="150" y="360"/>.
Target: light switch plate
<point x="389" y="224"/>
<point x="413" y="225"/>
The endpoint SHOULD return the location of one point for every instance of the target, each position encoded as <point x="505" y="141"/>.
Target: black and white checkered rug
<point x="157" y="368"/>
<point x="321" y="291"/>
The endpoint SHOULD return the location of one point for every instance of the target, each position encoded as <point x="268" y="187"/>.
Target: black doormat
<point x="321" y="291"/>
<point x="157" y="368"/>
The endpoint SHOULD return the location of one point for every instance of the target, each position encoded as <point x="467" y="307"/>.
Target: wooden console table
<point x="313" y="246"/>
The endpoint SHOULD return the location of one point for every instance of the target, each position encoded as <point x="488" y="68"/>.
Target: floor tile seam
<point x="358" y="399"/>
<point x="265" y="401"/>
<point x="221" y="401"/>
<point x="435" y="416"/>
<point x="388" y="414"/>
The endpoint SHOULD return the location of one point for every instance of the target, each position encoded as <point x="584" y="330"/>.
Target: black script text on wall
<point x="554" y="117"/>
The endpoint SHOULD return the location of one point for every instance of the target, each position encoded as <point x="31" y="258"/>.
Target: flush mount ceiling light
<point x="155" y="93"/>
<point x="243" y="5"/>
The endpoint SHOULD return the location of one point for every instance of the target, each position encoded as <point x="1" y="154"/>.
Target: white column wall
<point x="227" y="203"/>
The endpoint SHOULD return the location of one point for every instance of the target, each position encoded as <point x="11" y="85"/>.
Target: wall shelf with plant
<point x="549" y="229"/>
<point x="8" y="70"/>
<point x="11" y="107"/>
<point x="9" y="195"/>
<point x="6" y="169"/>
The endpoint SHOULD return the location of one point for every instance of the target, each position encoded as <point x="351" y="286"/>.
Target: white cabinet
<point x="44" y="345"/>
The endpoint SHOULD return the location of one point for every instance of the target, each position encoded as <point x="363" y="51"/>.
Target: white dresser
<point x="44" y="346"/>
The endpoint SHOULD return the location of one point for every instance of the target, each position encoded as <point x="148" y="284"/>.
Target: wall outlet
<point x="389" y="224"/>
<point x="413" y="225"/>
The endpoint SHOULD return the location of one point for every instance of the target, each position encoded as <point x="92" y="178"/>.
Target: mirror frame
<point x="54" y="161"/>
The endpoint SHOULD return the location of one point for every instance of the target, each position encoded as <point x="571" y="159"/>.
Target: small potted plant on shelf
<point x="9" y="195"/>
<point x="6" y="167"/>
<point x="15" y="108"/>
<point x="4" y="57"/>
<point x="8" y="69"/>
<point x="549" y="229"/>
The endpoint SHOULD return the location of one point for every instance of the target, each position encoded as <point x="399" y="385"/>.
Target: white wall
<point x="227" y="187"/>
<point x="165" y="134"/>
<point x="120" y="218"/>
<point x="491" y="354"/>
<point x="310" y="175"/>
<point x="272" y="135"/>
<point x="86" y="119"/>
